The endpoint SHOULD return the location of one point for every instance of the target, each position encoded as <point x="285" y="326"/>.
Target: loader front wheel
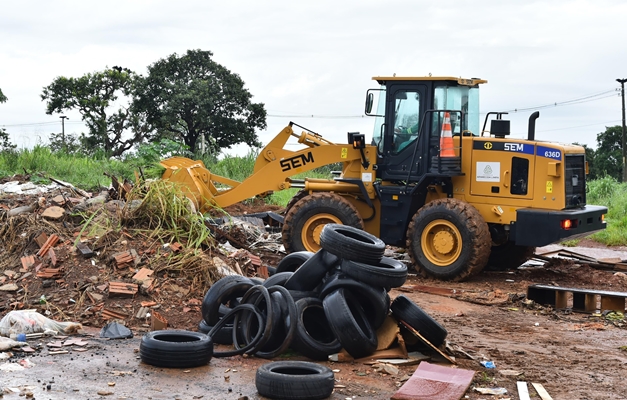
<point x="448" y="239"/>
<point x="305" y="219"/>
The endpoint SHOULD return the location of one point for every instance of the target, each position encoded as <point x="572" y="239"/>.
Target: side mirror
<point x="369" y="101"/>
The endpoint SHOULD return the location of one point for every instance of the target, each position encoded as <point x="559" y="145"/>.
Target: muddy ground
<point x="574" y="355"/>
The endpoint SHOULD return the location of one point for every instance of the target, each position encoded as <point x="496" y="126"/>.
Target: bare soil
<point x="574" y="355"/>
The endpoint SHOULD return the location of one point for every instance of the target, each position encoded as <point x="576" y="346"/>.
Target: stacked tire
<point x="316" y="303"/>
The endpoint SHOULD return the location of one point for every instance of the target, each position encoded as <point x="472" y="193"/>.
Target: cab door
<point x="406" y="105"/>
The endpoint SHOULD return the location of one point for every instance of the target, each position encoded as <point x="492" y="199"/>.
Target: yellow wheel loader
<point x="458" y="197"/>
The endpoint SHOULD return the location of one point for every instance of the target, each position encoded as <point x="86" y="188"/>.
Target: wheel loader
<point x="432" y="179"/>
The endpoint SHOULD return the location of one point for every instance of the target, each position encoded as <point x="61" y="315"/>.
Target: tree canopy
<point x="190" y="96"/>
<point x="608" y="157"/>
<point x="3" y="98"/>
<point x="103" y="99"/>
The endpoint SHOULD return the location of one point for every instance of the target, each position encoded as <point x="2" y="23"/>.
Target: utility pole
<point x="63" y="117"/>
<point x="622" y="92"/>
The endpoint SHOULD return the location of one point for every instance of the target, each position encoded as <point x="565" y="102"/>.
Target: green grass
<point x="612" y="194"/>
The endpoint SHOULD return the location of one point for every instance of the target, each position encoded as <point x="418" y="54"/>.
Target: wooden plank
<point x="111" y="314"/>
<point x="544" y="395"/>
<point x="523" y="391"/>
<point x="613" y="303"/>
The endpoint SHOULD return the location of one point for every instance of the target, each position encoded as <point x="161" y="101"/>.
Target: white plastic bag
<point x="30" y="321"/>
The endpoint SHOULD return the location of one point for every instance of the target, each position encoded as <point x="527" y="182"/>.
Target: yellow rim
<point x="310" y="235"/>
<point x="441" y="242"/>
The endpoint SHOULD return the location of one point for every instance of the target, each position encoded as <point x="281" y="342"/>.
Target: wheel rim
<point x="441" y="242"/>
<point x="310" y="235"/>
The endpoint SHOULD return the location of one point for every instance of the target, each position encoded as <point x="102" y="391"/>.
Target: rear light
<point x="567" y="224"/>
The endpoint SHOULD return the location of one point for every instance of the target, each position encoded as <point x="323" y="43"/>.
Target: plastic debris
<point x="488" y="364"/>
<point x="29" y="321"/>
<point x="493" y="391"/>
<point x="115" y="330"/>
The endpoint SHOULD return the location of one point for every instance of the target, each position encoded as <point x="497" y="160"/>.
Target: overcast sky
<point x="317" y="58"/>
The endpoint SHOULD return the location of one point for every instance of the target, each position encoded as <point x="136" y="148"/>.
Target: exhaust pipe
<point x="532" y="125"/>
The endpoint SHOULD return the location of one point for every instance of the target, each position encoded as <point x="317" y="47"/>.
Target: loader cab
<point x="409" y="117"/>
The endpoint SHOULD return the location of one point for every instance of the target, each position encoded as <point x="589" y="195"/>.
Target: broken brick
<point x="122" y="289"/>
<point x="28" y="262"/>
<point x="176" y="247"/>
<point x="53" y="256"/>
<point x="157" y="322"/>
<point x="50" y="273"/>
<point x="111" y="314"/>
<point x="52" y="240"/>
<point x="41" y="239"/>
<point x="142" y="275"/>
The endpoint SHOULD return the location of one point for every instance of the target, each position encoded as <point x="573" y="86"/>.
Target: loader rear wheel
<point x="509" y="256"/>
<point x="448" y="239"/>
<point x="304" y="221"/>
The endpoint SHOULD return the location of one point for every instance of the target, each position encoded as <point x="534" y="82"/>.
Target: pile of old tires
<point x="316" y="304"/>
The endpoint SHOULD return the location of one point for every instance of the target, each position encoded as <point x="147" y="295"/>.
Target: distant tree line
<point x="186" y="98"/>
<point x="607" y="158"/>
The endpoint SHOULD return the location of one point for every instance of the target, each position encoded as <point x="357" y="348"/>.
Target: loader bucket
<point x="194" y="179"/>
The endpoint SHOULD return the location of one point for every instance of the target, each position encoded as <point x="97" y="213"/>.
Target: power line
<point x="585" y="99"/>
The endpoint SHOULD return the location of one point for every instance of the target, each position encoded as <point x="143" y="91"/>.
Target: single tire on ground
<point x="406" y="310"/>
<point x="304" y="222"/>
<point x="448" y="239"/>
<point x="314" y="337"/>
<point x="176" y="349"/>
<point x="294" y="380"/>
<point x="509" y="256"/>
<point x="352" y="243"/>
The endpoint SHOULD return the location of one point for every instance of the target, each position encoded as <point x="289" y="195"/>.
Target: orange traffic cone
<point x="447" y="148"/>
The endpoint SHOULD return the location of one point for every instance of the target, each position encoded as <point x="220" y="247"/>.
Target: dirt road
<point x="575" y="356"/>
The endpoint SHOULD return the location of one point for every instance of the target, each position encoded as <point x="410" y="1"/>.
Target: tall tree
<point x="191" y="96"/>
<point x="590" y="159"/>
<point x="103" y="99"/>
<point x="609" y="153"/>
<point x="5" y="140"/>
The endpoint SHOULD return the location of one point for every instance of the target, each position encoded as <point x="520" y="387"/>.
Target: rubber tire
<point x="297" y="197"/>
<point x="289" y="325"/>
<point x="308" y="208"/>
<point x="475" y="238"/>
<point x="294" y="380"/>
<point x="509" y="256"/>
<point x="314" y="337"/>
<point x="176" y="349"/>
<point x="293" y="261"/>
<point x="376" y="301"/>
<point x="228" y="288"/>
<point x="311" y="273"/>
<point x="388" y="272"/>
<point x="278" y="279"/>
<point x="349" y="323"/>
<point x="406" y="310"/>
<point x="352" y="243"/>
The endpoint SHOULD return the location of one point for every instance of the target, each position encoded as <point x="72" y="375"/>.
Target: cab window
<point x="406" y="119"/>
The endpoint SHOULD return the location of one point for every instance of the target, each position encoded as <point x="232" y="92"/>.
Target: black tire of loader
<point x="310" y="206"/>
<point x="294" y="380"/>
<point x="176" y="349"/>
<point x="476" y="239"/>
